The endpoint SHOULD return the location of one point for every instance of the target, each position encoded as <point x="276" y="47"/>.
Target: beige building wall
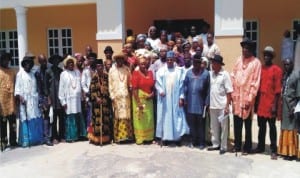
<point x="139" y="15"/>
<point x="230" y="49"/>
<point x="80" y="18"/>
<point x="8" y="19"/>
<point x="115" y="44"/>
<point x="273" y="17"/>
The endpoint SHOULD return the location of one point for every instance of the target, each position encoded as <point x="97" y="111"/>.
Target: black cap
<point x="249" y="43"/>
<point x="99" y="61"/>
<point x="108" y="49"/>
<point x="218" y="59"/>
<point x="27" y="59"/>
<point x="55" y="56"/>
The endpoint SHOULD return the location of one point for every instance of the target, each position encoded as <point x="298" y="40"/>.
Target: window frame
<point x="293" y="30"/>
<point x="14" y="51"/>
<point x="251" y="31"/>
<point x="59" y="47"/>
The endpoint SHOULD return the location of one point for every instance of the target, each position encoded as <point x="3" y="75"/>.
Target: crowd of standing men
<point x="158" y="89"/>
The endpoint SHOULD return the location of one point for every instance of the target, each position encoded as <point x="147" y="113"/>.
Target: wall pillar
<point x="110" y="25"/>
<point x="22" y="31"/>
<point x="229" y="29"/>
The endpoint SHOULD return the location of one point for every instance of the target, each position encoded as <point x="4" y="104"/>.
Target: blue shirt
<point x="197" y="91"/>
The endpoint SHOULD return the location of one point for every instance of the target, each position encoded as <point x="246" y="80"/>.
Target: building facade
<point x="67" y="26"/>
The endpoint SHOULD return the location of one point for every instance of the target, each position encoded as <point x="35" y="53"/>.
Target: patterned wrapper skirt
<point x="31" y="132"/>
<point x="71" y="128"/>
<point x="123" y="130"/>
<point x="143" y="119"/>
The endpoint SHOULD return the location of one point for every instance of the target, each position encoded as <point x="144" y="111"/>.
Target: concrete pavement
<point x="82" y="159"/>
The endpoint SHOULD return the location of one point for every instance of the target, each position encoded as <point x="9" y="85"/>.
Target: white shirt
<point x="210" y="51"/>
<point x="26" y="86"/>
<point x="70" y="91"/>
<point x="220" y="85"/>
<point x="154" y="43"/>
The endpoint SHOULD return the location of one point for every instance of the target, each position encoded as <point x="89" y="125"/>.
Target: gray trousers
<point x="219" y="130"/>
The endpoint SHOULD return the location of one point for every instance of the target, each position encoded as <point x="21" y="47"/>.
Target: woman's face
<point x="163" y="36"/>
<point x="143" y="63"/>
<point x="187" y="47"/>
<point x="141" y="43"/>
<point x="178" y="42"/>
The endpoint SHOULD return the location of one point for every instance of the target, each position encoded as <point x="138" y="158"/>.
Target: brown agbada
<point x="7" y="86"/>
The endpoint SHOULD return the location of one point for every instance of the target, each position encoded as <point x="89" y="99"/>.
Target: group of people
<point x="155" y="90"/>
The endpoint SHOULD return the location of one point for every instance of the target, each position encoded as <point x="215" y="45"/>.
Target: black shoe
<point x="178" y="143"/>
<point x="49" y="143"/>
<point x="14" y="144"/>
<point x="289" y="158"/>
<point x="273" y="156"/>
<point x="246" y="152"/>
<point x="235" y="150"/>
<point x="257" y="150"/>
<point x="213" y="148"/>
<point x="222" y="152"/>
<point x="201" y="147"/>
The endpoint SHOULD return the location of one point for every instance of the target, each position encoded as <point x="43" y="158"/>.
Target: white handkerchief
<point x="222" y="117"/>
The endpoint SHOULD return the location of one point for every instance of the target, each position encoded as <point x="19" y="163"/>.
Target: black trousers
<point x="238" y="127"/>
<point x="197" y="128"/>
<point x="47" y="126"/>
<point x="12" y="130"/>
<point x="262" y="123"/>
<point x="59" y="133"/>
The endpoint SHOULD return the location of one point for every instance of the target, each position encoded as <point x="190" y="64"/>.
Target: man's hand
<point x="150" y="96"/>
<point x="181" y="102"/>
<point x="98" y="100"/>
<point x="65" y="107"/>
<point x="22" y="100"/>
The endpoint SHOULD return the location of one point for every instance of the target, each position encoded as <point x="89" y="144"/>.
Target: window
<point x="9" y="44"/>
<point x="294" y="34"/>
<point x="59" y="41"/>
<point x="251" y="31"/>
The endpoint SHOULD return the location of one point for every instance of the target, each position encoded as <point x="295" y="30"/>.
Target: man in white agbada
<point x="171" y="121"/>
<point x="70" y="98"/>
<point x="31" y="122"/>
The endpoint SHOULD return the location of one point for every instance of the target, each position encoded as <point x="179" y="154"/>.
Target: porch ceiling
<point x="7" y="4"/>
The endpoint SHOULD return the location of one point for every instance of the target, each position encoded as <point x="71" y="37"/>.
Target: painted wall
<point x="230" y="49"/>
<point x="141" y="14"/>
<point x="274" y="17"/>
<point x="8" y="19"/>
<point x="80" y="18"/>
